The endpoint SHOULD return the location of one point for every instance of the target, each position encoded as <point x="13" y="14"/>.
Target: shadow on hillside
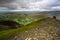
<point x="9" y="24"/>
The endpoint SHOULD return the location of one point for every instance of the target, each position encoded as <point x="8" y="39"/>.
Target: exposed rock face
<point x="49" y="30"/>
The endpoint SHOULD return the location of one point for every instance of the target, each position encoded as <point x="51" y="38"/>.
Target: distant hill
<point x="51" y="13"/>
<point x="25" y="18"/>
<point x="11" y="20"/>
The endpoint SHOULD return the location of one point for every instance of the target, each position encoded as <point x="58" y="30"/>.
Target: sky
<point x="30" y="5"/>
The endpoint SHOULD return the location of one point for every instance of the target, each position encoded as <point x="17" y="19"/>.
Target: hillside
<point x="44" y="29"/>
<point x="23" y="19"/>
<point x="11" y="20"/>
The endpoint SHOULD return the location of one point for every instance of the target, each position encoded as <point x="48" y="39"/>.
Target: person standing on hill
<point x="54" y="17"/>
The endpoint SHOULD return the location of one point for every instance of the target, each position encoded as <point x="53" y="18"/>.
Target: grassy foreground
<point x="8" y="33"/>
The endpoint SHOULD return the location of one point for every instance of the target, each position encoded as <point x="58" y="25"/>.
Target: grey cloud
<point x="5" y="1"/>
<point x="30" y="4"/>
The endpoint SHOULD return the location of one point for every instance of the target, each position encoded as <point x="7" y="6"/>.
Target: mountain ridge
<point x="48" y="29"/>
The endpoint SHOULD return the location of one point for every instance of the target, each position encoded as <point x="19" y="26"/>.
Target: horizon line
<point x="25" y="10"/>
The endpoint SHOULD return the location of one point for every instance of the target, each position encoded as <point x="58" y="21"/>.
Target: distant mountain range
<point x="49" y="13"/>
<point x="53" y="13"/>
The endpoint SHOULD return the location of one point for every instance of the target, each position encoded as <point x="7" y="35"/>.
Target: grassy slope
<point x="21" y="19"/>
<point x="7" y="33"/>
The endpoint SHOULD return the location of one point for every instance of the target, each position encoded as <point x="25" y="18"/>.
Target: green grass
<point x="8" y="33"/>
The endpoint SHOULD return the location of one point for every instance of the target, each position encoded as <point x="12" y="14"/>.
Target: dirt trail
<point x="49" y="30"/>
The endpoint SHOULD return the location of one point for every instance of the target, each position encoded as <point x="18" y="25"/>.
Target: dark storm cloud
<point x="5" y="1"/>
